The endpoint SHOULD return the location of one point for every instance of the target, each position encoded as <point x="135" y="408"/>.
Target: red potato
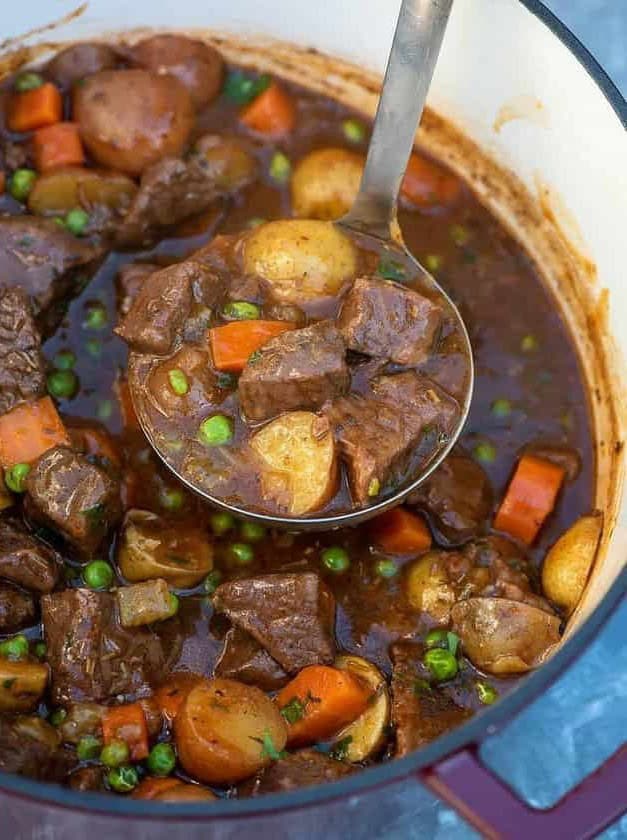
<point x="80" y="60"/>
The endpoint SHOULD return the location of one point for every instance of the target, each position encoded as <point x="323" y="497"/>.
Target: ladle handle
<point x="413" y="56"/>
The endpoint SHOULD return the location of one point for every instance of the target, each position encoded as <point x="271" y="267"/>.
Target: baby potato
<point x="228" y="161"/>
<point x="80" y="60"/>
<point x="56" y="193"/>
<point x="226" y="731"/>
<point x="129" y="119"/>
<point x="367" y="734"/>
<point x="501" y="636"/>
<point x="298" y="461"/>
<point x="22" y="685"/>
<point x="428" y="587"/>
<point x="567" y="565"/>
<point x="325" y="183"/>
<point x="300" y="259"/>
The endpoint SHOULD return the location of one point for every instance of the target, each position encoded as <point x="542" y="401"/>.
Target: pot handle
<point x="465" y="783"/>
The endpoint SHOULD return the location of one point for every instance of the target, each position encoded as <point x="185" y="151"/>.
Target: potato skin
<point x="567" y="565"/>
<point x="57" y="192"/>
<point x="220" y="730"/>
<point x="428" y="587"/>
<point x="325" y="183"/>
<point x="129" y="119"/>
<point x="80" y="60"/>
<point x="368" y="733"/>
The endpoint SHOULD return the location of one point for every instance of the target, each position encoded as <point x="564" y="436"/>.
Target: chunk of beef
<point x="457" y="499"/>
<point x="378" y="434"/>
<point x="17" y="609"/>
<point x="44" y="260"/>
<point x="31" y="747"/>
<point x="388" y="321"/>
<point x="91" y="656"/>
<point x="298" y="370"/>
<point x="74" y="63"/>
<point x="22" y="367"/>
<point x="25" y="560"/>
<point x="301" y="769"/>
<point x="129" y="280"/>
<point x="244" y="659"/>
<point x="67" y="493"/>
<point x="420" y="712"/>
<point x="88" y="779"/>
<point x="291" y="615"/>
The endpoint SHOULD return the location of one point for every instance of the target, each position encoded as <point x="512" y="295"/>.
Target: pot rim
<point x="486" y="723"/>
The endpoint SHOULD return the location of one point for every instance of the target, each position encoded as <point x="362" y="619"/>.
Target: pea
<point x="436" y="639"/>
<point x="241" y="310"/>
<point x="459" y="234"/>
<point x="485" y="452"/>
<point x="221" y="523"/>
<point x="336" y="559"/>
<point x="62" y="384"/>
<point x="529" y="343"/>
<point x="115" y="753"/>
<point x="386" y="568"/>
<point x="96" y="317"/>
<point x="88" y="748"/>
<point x="433" y="262"/>
<point x="175" y="604"/>
<point x="21" y="183"/>
<point x="64" y="360"/>
<point x="242" y="553"/>
<point x="123" y="779"/>
<point x="216" y="430"/>
<point x="172" y="498"/>
<point x="212" y="581"/>
<point x="14" y="648"/>
<point x="242" y="89"/>
<point x="76" y="221"/>
<point x="162" y="760"/>
<point x="57" y="716"/>
<point x="98" y="575"/>
<point x="280" y="167"/>
<point x="486" y="693"/>
<point x="442" y="664"/>
<point x="15" y="477"/>
<point x="354" y="131"/>
<point x="40" y="650"/>
<point x="178" y="382"/>
<point x="501" y="408"/>
<point x="252" y="531"/>
<point x="28" y="81"/>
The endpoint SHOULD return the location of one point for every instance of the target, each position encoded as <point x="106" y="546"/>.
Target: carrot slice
<point x="36" y="108"/>
<point x="427" y="183"/>
<point x="233" y="344"/>
<point x="530" y="498"/>
<point x="152" y="787"/>
<point x="58" y="145"/>
<point x="29" y="430"/>
<point x="399" y="531"/>
<point x="272" y="113"/>
<point x="127" y="723"/>
<point x="171" y="695"/>
<point x="322" y="700"/>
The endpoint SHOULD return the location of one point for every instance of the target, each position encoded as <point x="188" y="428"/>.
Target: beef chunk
<point x="420" y="712"/>
<point x="22" y="366"/>
<point x="129" y="280"/>
<point x="291" y="615"/>
<point x="457" y="499"/>
<point x="304" y="768"/>
<point x="378" y="434"/>
<point x="25" y="560"/>
<point x="298" y="370"/>
<point x="17" y="609"/>
<point x="91" y="656"/>
<point x="388" y="321"/>
<point x="88" y="779"/>
<point x="30" y="747"/>
<point x="43" y="259"/>
<point x="244" y="659"/>
<point x="74" y="497"/>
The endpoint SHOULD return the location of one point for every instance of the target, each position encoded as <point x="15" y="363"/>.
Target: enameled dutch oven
<point x="536" y="127"/>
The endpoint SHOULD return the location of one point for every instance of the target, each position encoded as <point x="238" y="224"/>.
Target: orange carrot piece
<point x="29" y="430"/>
<point x="233" y="344"/>
<point x="399" y="531"/>
<point x="58" y="145"/>
<point x="35" y="108"/>
<point x="329" y="700"/>
<point x="427" y="183"/>
<point x="127" y="723"/>
<point x="171" y="695"/>
<point x="530" y="498"/>
<point x="272" y="113"/>
<point x="152" y="787"/>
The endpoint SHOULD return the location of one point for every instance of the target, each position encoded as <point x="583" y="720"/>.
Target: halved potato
<point x="56" y="193"/>
<point x="567" y="565"/>
<point x="21" y="685"/>
<point x="298" y="461"/>
<point x="325" y="183"/>
<point x="500" y="636"/>
<point x="300" y="259"/>
<point x="428" y="587"/>
<point x="367" y="733"/>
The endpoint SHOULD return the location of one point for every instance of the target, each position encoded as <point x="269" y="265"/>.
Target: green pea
<point x="335" y="559"/>
<point x="21" y="183"/>
<point x="242" y="553"/>
<point x="89" y="747"/>
<point x="40" y="650"/>
<point x="280" y="167"/>
<point x="64" y="360"/>
<point x="441" y="663"/>
<point x="175" y="604"/>
<point x="14" y="648"/>
<point x="486" y="693"/>
<point x="76" y="221"/>
<point x="386" y="568"/>
<point x="436" y="639"/>
<point x="62" y="384"/>
<point x="459" y="234"/>
<point x="221" y="522"/>
<point x="123" y="779"/>
<point x="172" y="498"/>
<point x="433" y="262"/>
<point x="212" y="581"/>
<point x="96" y="317"/>
<point x="242" y="89"/>
<point x="485" y="452"/>
<point x="241" y="310"/>
<point x="162" y="760"/>
<point x="98" y="575"/>
<point x="529" y="343"/>
<point x="354" y="131"/>
<point x="216" y="430"/>
<point x="28" y="81"/>
<point x="501" y="408"/>
<point x="252" y="531"/>
<point x="57" y="716"/>
<point x="115" y="753"/>
<point x="15" y="477"/>
<point x="178" y="382"/>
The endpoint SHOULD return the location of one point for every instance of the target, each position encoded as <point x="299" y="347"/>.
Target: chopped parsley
<point x="452" y="641"/>
<point x="293" y="711"/>
<point x="95" y="515"/>
<point x="391" y="269"/>
<point x="340" y="750"/>
<point x="268" y="750"/>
